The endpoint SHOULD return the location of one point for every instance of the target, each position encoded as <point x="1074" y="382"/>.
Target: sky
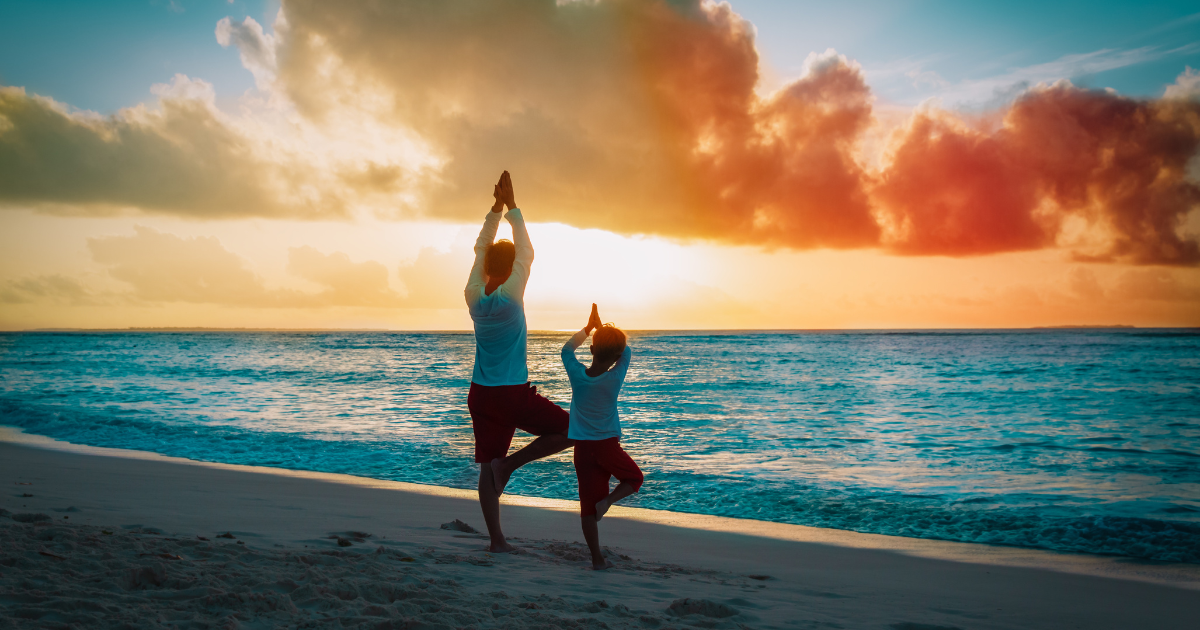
<point x="684" y="164"/>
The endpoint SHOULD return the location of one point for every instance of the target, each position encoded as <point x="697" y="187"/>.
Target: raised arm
<point x="623" y="363"/>
<point x="477" y="280"/>
<point x="524" y="258"/>
<point x="570" y="361"/>
<point x="524" y="254"/>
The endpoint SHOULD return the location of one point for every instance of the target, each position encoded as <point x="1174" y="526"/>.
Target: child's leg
<point x="593" y="487"/>
<point x="619" y="464"/>
<point x="622" y="490"/>
<point x="591" y="534"/>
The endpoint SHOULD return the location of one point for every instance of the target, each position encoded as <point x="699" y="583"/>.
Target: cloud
<point x="163" y="267"/>
<point x="55" y="288"/>
<point x="1154" y="284"/>
<point x="780" y="171"/>
<point x="181" y="158"/>
<point x="634" y="116"/>
<point x="642" y="117"/>
<point x="629" y="116"/>
<point x="256" y="47"/>
<point x="1002" y="88"/>
<point x="347" y="283"/>
<point x="955" y="191"/>
<point x="1116" y="165"/>
<point x="1185" y="87"/>
<point x="1159" y="288"/>
<point x="435" y="279"/>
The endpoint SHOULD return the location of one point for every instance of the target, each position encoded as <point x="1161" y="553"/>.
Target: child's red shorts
<point x="595" y="462"/>
<point x="497" y="412"/>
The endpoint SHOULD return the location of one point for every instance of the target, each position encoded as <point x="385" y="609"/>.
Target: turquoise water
<point x="1083" y="441"/>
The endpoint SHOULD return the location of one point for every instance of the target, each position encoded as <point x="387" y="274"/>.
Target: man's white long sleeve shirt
<point x="500" y="333"/>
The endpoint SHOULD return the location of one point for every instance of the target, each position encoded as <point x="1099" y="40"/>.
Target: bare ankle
<point x="501" y="547"/>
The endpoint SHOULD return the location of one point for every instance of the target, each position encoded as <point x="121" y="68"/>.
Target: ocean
<point x="1073" y="440"/>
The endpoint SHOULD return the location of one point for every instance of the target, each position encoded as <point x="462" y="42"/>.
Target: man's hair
<point x="608" y="342"/>
<point x="498" y="260"/>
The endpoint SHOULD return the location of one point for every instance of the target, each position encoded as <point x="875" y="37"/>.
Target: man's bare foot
<point x="602" y="508"/>
<point x="602" y="565"/>
<point x="499" y="477"/>
<point x="503" y="547"/>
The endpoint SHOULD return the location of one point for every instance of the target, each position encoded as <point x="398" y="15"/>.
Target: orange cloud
<point x="638" y="117"/>
<point x="1119" y="164"/>
<point x="634" y="116"/>
<point x="643" y="116"/>
<point x="778" y="171"/>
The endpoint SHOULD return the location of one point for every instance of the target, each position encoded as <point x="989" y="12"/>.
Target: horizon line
<point x="151" y="329"/>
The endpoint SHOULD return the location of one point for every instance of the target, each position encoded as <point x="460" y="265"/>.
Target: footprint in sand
<point x="959" y="613"/>
<point x="30" y="518"/>
<point x="824" y="594"/>
<point x="702" y="607"/>
<point x="346" y="539"/>
<point x="459" y="526"/>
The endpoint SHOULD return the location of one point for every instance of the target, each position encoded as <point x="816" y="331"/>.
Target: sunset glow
<point x="679" y="164"/>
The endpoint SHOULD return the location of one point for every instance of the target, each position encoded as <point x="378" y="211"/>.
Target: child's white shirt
<point x="593" y="398"/>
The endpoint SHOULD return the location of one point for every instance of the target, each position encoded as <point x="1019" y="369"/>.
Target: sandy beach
<point x="104" y="538"/>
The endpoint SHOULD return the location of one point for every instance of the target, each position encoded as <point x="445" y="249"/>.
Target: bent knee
<point x="635" y="480"/>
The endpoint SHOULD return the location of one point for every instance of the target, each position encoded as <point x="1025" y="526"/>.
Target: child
<point x="596" y="428"/>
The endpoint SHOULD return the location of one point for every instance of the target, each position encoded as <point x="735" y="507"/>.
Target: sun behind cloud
<point x="652" y="162"/>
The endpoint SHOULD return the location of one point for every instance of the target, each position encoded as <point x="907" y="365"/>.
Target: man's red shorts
<point x="497" y="412"/>
<point x="595" y="462"/>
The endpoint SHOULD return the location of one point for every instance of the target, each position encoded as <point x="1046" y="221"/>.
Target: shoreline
<point x="1180" y="575"/>
<point x="151" y="528"/>
<point x="680" y="331"/>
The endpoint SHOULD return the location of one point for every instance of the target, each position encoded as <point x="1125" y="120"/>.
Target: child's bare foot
<point x="602" y="508"/>
<point x="503" y="547"/>
<point x="499" y="477"/>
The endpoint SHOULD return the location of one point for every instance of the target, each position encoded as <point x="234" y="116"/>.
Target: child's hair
<point x="608" y="342"/>
<point x="498" y="260"/>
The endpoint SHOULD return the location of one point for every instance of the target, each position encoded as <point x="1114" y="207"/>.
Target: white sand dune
<point x="119" y="539"/>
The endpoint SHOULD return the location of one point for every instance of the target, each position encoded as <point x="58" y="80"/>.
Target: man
<point x="501" y="399"/>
